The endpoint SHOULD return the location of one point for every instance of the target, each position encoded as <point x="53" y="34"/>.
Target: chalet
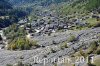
<point x="37" y="30"/>
<point x="62" y="26"/>
<point x="98" y="10"/>
<point x="37" y="34"/>
<point x="95" y="16"/>
<point x="73" y="20"/>
<point x="21" y="22"/>
<point x="85" y="17"/>
<point x="51" y="26"/>
<point x="45" y="30"/>
<point x="42" y="21"/>
<point x="34" y="24"/>
<point x="22" y="26"/>
<point x="80" y="23"/>
<point x="4" y="17"/>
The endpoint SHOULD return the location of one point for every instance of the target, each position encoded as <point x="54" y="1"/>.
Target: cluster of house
<point x="4" y="17"/>
<point x="96" y="14"/>
<point x="49" y="24"/>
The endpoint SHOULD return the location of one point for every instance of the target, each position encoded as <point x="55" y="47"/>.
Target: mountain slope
<point x="4" y="5"/>
<point x="93" y="4"/>
<point x="36" y="2"/>
<point x="79" y="6"/>
<point x="8" y="14"/>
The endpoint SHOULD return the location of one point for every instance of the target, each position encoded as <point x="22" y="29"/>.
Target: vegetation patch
<point x="14" y="31"/>
<point x="97" y="62"/>
<point x="98" y="50"/>
<point x="92" y="47"/>
<point x="72" y="38"/>
<point x="63" y="45"/>
<point x="93" y="22"/>
<point x="22" y="44"/>
<point x="17" y="38"/>
<point x="19" y="64"/>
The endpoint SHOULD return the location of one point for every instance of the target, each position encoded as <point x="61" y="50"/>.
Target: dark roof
<point x="0" y="38"/>
<point x="22" y="21"/>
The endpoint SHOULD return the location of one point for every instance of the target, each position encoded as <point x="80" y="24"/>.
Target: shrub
<point x="19" y="64"/>
<point x="92" y="47"/>
<point x="13" y="32"/>
<point x="55" y="64"/>
<point x="49" y="34"/>
<point x="13" y="46"/>
<point x="73" y="64"/>
<point x="89" y="64"/>
<point x="9" y="65"/>
<point x="82" y="53"/>
<point x="52" y="50"/>
<point x="22" y="44"/>
<point x="98" y="50"/>
<point x="54" y="42"/>
<point x="64" y="45"/>
<point x="97" y="24"/>
<point x="97" y="61"/>
<point x="72" y="38"/>
<point x="34" y="43"/>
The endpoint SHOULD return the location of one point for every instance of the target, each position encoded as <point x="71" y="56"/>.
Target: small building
<point x="95" y="16"/>
<point x="21" y="22"/>
<point x="62" y="26"/>
<point x="80" y="23"/>
<point x="34" y="24"/>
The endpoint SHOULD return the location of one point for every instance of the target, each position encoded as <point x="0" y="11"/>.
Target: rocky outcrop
<point x="51" y="51"/>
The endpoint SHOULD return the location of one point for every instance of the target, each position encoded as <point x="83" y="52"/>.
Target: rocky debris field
<point x="50" y="47"/>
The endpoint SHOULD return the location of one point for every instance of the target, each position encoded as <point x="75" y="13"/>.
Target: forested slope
<point x="79" y="6"/>
<point x="8" y="14"/>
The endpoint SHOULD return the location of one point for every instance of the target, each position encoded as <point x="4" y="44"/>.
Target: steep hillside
<point x="93" y="4"/>
<point x="49" y="32"/>
<point x="35" y="2"/>
<point x="4" y="5"/>
<point x="79" y="6"/>
<point x="8" y="14"/>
